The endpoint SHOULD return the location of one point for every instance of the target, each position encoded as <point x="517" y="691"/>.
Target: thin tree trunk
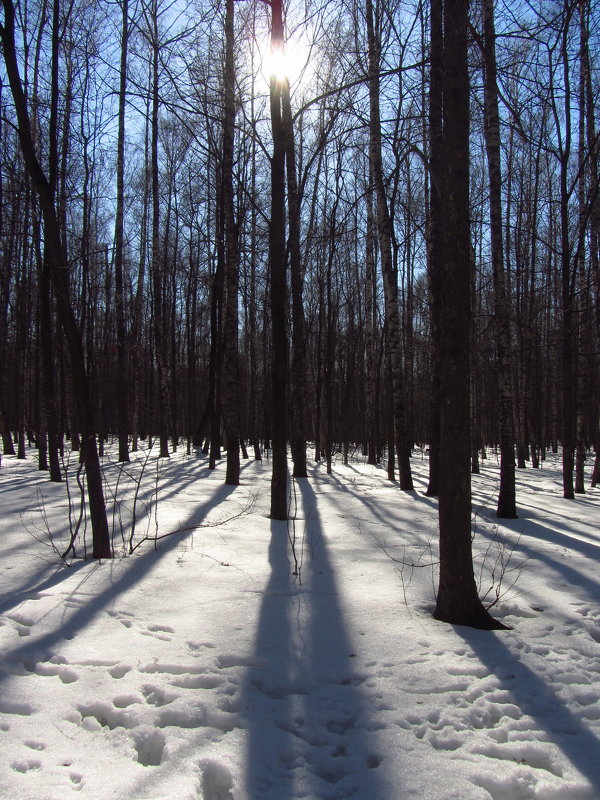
<point x="157" y="268"/>
<point x="231" y="369"/>
<point x="278" y="282"/>
<point x="390" y="280"/>
<point x="121" y="393"/>
<point x="298" y="366"/>
<point x="506" y="508"/>
<point x="370" y="305"/>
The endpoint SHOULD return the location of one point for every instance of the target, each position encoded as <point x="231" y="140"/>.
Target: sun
<point x="277" y="63"/>
<point x="285" y="63"/>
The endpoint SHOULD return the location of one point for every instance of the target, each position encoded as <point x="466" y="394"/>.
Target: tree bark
<point x="121" y="393"/>
<point x="231" y="369"/>
<point x="506" y="508"/>
<point x="390" y="279"/>
<point x="298" y="366"/>
<point x="100" y="535"/>
<point x="277" y="274"/>
<point x="457" y="599"/>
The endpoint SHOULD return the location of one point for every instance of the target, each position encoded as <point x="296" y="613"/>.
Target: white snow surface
<point x="202" y="667"/>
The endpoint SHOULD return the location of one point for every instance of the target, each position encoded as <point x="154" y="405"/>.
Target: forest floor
<point x="202" y="667"/>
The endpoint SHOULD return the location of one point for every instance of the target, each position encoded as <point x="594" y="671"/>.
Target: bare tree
<point x="81" y="388"/>
<point x="277" y="274"/>
<point x="390" y="278"/>
<point x="457" y="599"/>
<point x="506" y="499"/>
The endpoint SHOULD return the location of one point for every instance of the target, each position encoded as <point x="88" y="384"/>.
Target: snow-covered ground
<point x="204" y="668"/>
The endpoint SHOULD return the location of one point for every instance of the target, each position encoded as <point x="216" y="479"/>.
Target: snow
<point x="202" y="667"/>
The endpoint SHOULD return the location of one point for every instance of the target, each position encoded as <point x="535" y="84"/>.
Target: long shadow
<point x="568" y="536"/>
<point x="383" y="517"/>
<point x="38" y="648"/>
<point x="39" y="582"/>
<point x="307" y="714"/>
<point x="274" y="676"/>
<point x="539" y="701"/>
<point x="538" y="532"/>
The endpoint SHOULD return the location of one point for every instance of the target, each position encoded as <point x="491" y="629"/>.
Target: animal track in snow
<point x="172" y="669"/>
<point x="119" y="671"/>
<point x="76" y="780"/>
<point x="529" y="754"/>
<point x="342" y="725"/>
<point x="125" y="700"/>
<point x="228" y="660"/>
<point x="198" y="681"/>
<point x="35" y="744"/>
<point x="216" y="782"/>
<point x="13" y="707"/>
<point x="49" y="669"/>
<point x="22" y="623"/>
<point x="200" y="645"/>
<point x="157" y="695"/>
<point x="163" y="628"/>
<point x="124" y="617"/>
<point x="106" y="715"/>
<point x="150" y="746"/>
<point x="196" y="716"/>
<point x="158" y="632"/>
<point x="26" y="765"/>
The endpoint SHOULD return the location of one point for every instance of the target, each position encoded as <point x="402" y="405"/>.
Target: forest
<point x="340" y="227"/>
<point x="299" y="399"/>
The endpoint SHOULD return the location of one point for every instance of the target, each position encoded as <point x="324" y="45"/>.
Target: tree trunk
<point x="457" y="599"/>
<point x="298" y="370"/>
<point x="390" y="279"/>
<point x="231" y="369"/>
<point x="370" y="317"/>
<point x="277" y="273"/>
<point x="157" y="268"/>
<point x="81" y="389"/>
<point x="121" y="392"/>
<point x="435" y="252"/>
<point x="506" y="508"/>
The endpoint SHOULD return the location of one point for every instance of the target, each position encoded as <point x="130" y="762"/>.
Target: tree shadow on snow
<point x="538" y="700"/>
<point x="310" y="730"/>
<point x="138" y="567"/>
<point x="530" y="531"/>
<point x="47" y="577"/>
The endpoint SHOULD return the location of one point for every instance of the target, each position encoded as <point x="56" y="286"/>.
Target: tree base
<point x="479" y="619"/>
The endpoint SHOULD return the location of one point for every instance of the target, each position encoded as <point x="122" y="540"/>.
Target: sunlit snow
<point x="202" y="667"/>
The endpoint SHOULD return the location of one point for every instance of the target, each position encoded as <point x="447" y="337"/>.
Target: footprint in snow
<point x="76" y="780"/>
<point x="150" y="746"/>
<point x="216" y="782"/>
<point x="26" y="765"/>
<point x="35" y="744"/>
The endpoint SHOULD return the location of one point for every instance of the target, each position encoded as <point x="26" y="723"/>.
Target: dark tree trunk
<point x="390" y="278"/>
<point x="436" y="243"/>
<point x="121" y="393"/>
<point x="157" y="268"/>
<point x="277" y="272"/>
<point x="370" y="336"/>
<point x="231" y="369"/>
<point x="298" y="367"/>
<point x="506" y="508"/>
<point x="457" y="599"/>
<point x="81" y="389"/>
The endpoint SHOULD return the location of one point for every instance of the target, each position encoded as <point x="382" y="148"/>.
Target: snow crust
<point x="202" y="667"/>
